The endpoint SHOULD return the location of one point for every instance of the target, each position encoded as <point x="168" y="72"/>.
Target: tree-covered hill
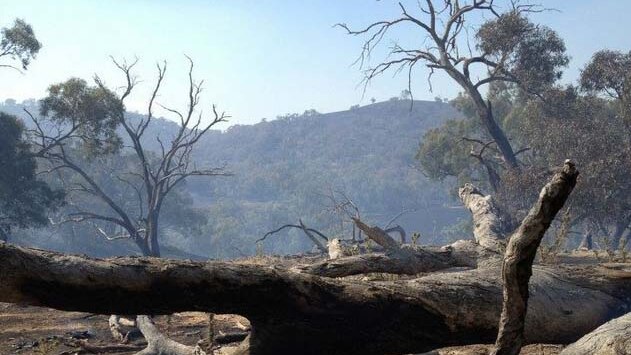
<point x="287" y="169"/>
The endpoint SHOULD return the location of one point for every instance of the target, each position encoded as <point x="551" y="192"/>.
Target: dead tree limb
<point x="158" y="344"/>
<point x="487" y="225"/>
<point x="398" y="229"/>
<point x="377" y="235"/>
<point x="520" y="254"/>
<point x="309" y="232"/>
<point x="313" y="239"/>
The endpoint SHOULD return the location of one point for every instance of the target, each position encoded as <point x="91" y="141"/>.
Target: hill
<point x="287" y="169"/>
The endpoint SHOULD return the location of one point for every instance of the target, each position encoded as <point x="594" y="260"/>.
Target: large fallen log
<point x="291" y="310"/>
<point x="297" y="311"/>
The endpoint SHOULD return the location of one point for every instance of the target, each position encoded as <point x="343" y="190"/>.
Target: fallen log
<point x="613" y="337"/>
<point x="296" y="311"/>
<point x="291" y="310"/>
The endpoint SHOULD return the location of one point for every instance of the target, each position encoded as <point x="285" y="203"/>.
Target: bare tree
<point x="508" y="48"/>
<point x="84" y="118"/>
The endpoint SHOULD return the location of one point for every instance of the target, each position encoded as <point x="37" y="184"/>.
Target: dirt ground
<point x="44" y="331"/>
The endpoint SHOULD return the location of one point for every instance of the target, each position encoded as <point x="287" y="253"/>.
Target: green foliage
<point x="443" y="153"/>
<point x="447" y="151"/>
<point x="282" y="167"/>
<point x="608" y="72"/>
<point x="19" y="43"/>
<point x="92" y="113"/>
<point x="586" y="130"/>
<point x="532" y="55"/>
<point x="24" y="199"/>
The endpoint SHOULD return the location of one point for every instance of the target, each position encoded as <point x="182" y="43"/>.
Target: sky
<point x="258" y="59"/>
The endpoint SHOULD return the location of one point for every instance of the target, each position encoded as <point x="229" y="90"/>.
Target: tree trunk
<point x="4" y="236"/>
<point x="152" y="235"/>
<point x="520" y="254"/>
<point x="587" y="242"/>
<point x="487" y="227"/>
<point x="485" y="113"/>
<point x="616" y="240"/>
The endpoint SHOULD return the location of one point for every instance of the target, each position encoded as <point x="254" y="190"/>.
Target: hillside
<point x="284" y="169"/>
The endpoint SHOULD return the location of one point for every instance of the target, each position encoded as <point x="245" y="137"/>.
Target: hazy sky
<point x="258" y="58"/>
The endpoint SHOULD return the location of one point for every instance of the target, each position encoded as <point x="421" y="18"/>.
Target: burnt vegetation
<point x="177" y="216"/>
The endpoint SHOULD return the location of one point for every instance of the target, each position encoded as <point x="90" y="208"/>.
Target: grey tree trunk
<point x="520" y="254"/>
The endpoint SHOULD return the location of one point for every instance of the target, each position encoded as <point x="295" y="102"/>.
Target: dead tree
<point x="156" y="174"/>
<point x="494" y="57"/>
<point x="85" y="118"/>
<point x="309" y="232"/>
<point x="295" y="309"/>
<point x="520" y="254"/>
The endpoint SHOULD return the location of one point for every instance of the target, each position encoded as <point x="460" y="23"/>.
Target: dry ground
<point x="33" y="330"/>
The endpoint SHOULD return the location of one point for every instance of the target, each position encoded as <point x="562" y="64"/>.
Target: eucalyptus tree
<point x="18" y="44"/>
<point x="507" y="48"/>
<point x="24" y="199"/>
<point x="78" y="124"/>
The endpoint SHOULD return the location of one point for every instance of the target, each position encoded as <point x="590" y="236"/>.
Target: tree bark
<point x="291" y="310"/>
<point x="158" y="344"/>
<point x="520" y="254"/>
<point x="298" y="311"/>
<point x="487" y="226"/>
<point x="587" y="242"/>
<point x="611" y="338"/>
